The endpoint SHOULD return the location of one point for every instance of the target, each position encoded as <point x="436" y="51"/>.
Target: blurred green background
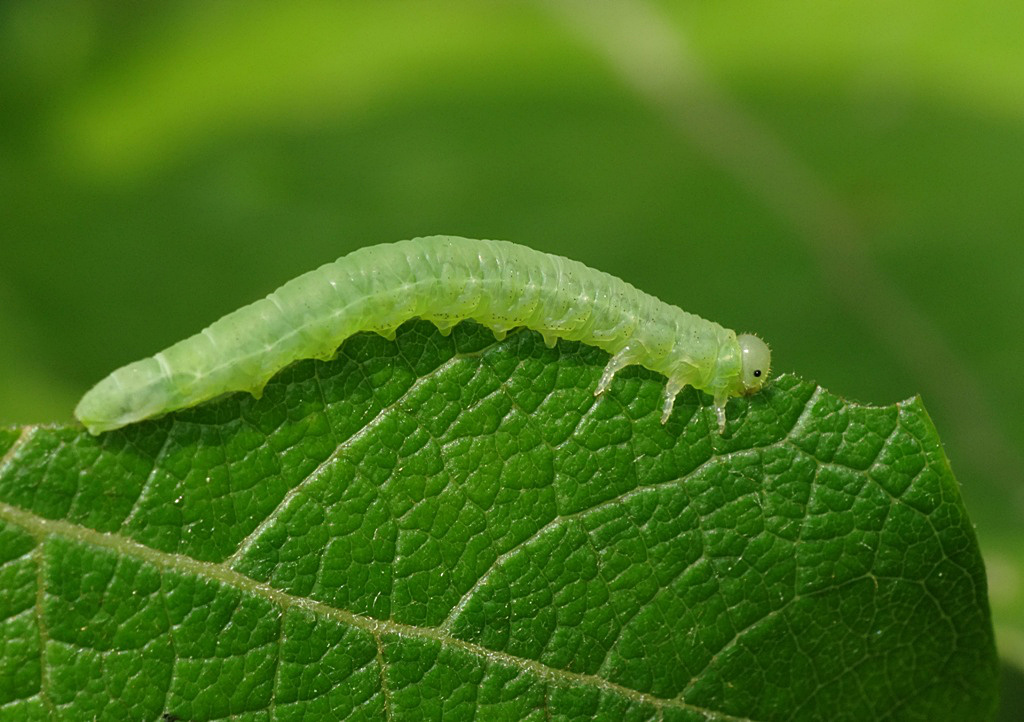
<point x="845" y="179"/>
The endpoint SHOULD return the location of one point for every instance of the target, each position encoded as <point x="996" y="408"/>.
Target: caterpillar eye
<point x="755" y="364"/>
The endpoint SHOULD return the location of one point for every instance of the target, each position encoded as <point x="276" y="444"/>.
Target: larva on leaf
<point x="443" y="279"/>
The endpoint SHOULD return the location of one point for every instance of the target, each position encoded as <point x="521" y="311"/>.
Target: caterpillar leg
<point x="720" y="414"/>
<point x="672" y="389"/>
<point x="615" y="364"/>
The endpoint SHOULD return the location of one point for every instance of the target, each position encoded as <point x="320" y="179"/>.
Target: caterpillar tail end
<point x="131" y="393"/>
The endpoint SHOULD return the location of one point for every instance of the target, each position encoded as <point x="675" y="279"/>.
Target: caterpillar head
<point x="756" y="360"/>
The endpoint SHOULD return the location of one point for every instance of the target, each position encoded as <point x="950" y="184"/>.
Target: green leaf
<point x="455" y="527"/>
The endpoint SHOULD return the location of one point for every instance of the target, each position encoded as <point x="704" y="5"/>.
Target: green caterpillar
<point x="443" y="279"/>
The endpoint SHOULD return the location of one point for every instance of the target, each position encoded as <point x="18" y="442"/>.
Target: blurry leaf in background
<point x="163" y="165"/>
